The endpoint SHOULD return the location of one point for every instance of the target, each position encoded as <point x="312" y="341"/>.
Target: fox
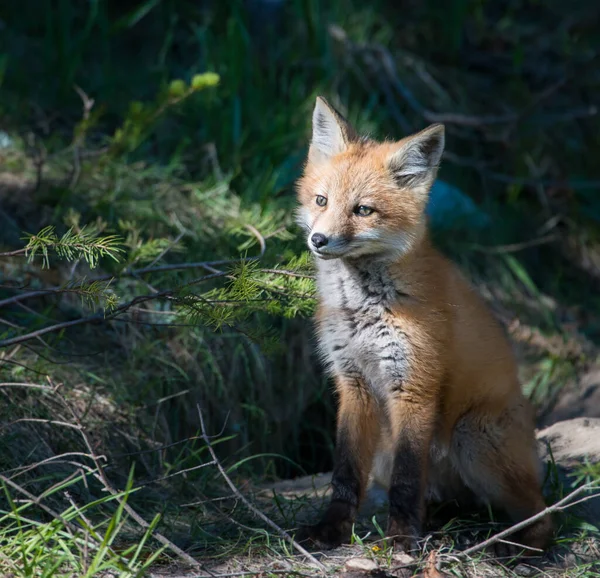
<point x="429" y="401"/>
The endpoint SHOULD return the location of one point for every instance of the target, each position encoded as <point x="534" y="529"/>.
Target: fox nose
<point x="319" y="240"/>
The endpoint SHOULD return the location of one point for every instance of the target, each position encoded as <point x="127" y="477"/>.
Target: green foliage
<point x="197" y="170"/>
<point x="70" y="544"/>
<point x="93" y="294"/>
<point x="85" y="243"/>
<point x="141" y="119"/>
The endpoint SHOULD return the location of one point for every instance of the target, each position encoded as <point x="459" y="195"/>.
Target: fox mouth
<point x="327" y="255"/>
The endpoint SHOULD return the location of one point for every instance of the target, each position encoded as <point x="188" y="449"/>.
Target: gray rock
<point x="580" y="400"/>
<point x="563" y="447"/>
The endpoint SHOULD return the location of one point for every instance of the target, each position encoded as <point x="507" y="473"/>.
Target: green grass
<point x="171" y="167"/>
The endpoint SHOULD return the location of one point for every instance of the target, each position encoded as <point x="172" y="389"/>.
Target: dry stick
<point x="13" y="253"/>
<point x="515" y="247"/>
<point x="31" y="385"/>
<point x="51" y="460"/>
<point x="288" y="273"/>
<point x="51" y="328"/>
<point x="560" y="505"/>
<point x="104" y="480"/>
<point x="177" y="473"/>
<point x="248" y="505"/>
<point x="39" y="420"/>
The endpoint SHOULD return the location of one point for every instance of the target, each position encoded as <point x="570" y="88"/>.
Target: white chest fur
<point x="359" y="336"/>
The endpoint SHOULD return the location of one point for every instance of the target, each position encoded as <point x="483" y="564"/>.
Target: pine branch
<point x="83" y="244"/>
<point x="130" y="273"/>
<point x="117" y="311"/>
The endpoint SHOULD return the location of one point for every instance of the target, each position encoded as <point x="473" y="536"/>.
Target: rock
<point x="571" y="442"/>
<point x="525" y="570"/>
<point x="402" y="558"/>
<point x="313" y="485"/>
<point x="580" y="400"/>
<point x="363" y="564"/>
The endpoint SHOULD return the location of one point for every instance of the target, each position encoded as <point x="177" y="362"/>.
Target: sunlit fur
<point x="360" y="176"/>
<point x="429" y="398"/>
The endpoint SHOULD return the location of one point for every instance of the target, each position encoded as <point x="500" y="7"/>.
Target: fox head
<point x="361" y="197"/>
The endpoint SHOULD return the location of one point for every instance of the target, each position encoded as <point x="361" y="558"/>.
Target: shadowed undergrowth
<point x="114" y="136"/>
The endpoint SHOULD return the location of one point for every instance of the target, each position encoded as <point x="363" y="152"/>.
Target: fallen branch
<point x="566" y="502"/>
<point x="248" y="505"/>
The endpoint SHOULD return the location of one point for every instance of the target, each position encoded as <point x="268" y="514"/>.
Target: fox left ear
<point x="331" y="134"/>
<point x="415" y="162"/>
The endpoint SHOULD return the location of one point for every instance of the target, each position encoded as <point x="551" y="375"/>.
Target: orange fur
<point x="449" y="399"/>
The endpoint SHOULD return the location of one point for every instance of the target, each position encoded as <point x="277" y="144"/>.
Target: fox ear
<point x="331" y="133"/>
<point x="415" y="162"/>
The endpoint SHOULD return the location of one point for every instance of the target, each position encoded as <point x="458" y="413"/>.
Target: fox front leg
<point x="413" y="429"/>
<point x="357" y="437"/>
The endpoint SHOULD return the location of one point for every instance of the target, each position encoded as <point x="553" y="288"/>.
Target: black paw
<point x="404" y="536"/>
<point x="531" y="541"/>
<point x="325" y="535"/>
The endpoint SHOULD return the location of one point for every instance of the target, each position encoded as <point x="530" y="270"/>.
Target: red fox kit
<point x="429" y="400"/>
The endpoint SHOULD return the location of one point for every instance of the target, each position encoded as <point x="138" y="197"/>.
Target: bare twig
<point x="287" y="273"/>
<point x="30" y="385"/>
<point x="167" y="249"/>
<point x="515" y="247"/>
<point x="19" y="470"/>
<point x="248" y="505"/>
<point x="261" y="239"/>
<point x="79" y="141"/>
<point x="177" y="473"/>
<point x="39" y="420"/>
<point x="50" y="329"/>
<point x="13" y="253"/>
<point x="566" y="502"/>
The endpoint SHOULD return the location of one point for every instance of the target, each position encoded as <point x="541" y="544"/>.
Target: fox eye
<point x="363" y="211"/>
<point x="321" y="200"/>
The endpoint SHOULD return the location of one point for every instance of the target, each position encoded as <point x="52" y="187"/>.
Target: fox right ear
<point x="331" y="133"/>
<point x="415" y="162"/>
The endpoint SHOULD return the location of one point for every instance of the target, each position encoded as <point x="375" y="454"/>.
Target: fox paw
<point x="325" y="535"/>
<point x="529" y="542"/>
<point x="404" y="536"/>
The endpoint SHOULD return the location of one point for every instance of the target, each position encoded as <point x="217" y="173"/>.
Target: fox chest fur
<point x="359" y="336"/>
